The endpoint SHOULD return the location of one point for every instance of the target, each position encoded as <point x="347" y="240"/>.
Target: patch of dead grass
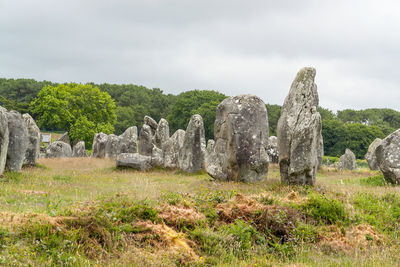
<point x="178" y="215"/>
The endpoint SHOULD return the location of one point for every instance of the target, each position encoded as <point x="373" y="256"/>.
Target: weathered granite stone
<point x="112" y="146"/>
<point x="162" y="133"/>
<point x="79" y="150"/>
<point x="192" y="152"/>
<point x="128" y="140"/>
<point x="4" y="139"/>
<point x="157" y="157"/>
<point x="34" y="140"/>
<point x="152" y="123"/>
<point x="347" y="161"/>
<point x="388" y="157"/>
<point x="272" y="149"/>
<point x="241" y="140"/>
<point x="18" y="141"/>
<point x="134" y="161"/>
<point x="321" y="152"/>
<point x="65" y="138"/>
<point x="299" y="131"/>
<point x="99" y="145"/>
<point x="171" y="149"/>
<point x="371" y="156"/>
<point x="58" y="149"/>
<point x="146" y="140"/>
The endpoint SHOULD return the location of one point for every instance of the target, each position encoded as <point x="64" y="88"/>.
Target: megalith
<point x="162" y="133"/>
<point x="58" y="149"/>
<point x="112" y="146"/>
<point x="171" y="149"/>
<point x="272" y="149"/>
<point x="370" y="156"/>
<point x="146" y="140"/>
<point x="388" y="157"/>
<point x="34" y="140"/>
<point x="128" y="140"/>
<point x="347" y="161"/>
<point x="4" y="139"/>
<point x="18" y="141"/>
<point x="79" y="151"/>
<point x="99" y="145"/>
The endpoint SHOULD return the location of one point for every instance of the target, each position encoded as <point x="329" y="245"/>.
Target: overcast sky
<point x="235" y="47"/>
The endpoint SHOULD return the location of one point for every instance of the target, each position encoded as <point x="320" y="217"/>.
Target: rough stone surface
<point x="192" y="152"/>
<point x="241" y="139"/>
<point x="58" y="149"/>
<point x="4" y="139"/>
<point x="388" y="157"/>
<point x="112" y="146"/>
<point x="272" y="149"/>
<point x="34" y="140"/>
<point x="152" y="123"/>
<point x="128" y="140"/>
<point x="371" y="156"/>
<point x="64" y="138"/>
<point x="347" y="161"/>
<point x="157" y="157"/>
<point x="99" y="145"/>
<point x="321" y="153"/>
<point x="299" y="131"/>
<point x="146" y="140"/>
<point x="134" y="161"/>
<point x="79" y="150"/>
<point x="162" y="133"/>
<point x="171" y="149"/>
<point x="18" y="141"/>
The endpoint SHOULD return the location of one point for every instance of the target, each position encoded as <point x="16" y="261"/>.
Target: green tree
<point x="274" y="113"/>
<point x="208" y="112"/>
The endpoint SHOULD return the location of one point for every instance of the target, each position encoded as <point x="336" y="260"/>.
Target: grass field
<point x="84" y="212"/>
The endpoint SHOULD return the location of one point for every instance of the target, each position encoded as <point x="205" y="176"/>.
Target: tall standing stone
<point x="4" y="139"/>
<point x="171" y="149"/>
<point x="33" y="151"/>
<point x="152" y="123"/>
<point x="112" y="146"/>
<point x="241" y="139"/>
<point x="128" y="140"/>
<point x="299" y="131"/>
<point x="371" y="156"/>
<point x="192" y="152"/>
<point x="388" y="157"/>
<point x="347" y="161"/>
<point x="146" y="140"/>
<point x="162" y="133"/>
<point x="99" y="145"/>
<point x="18" y="141"/>
<point x="79" y="151"/>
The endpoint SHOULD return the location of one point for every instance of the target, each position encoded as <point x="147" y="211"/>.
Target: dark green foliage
<point x="274" y="113"/>
<point x="325" y="210"/>
<point x="377" y="180"/>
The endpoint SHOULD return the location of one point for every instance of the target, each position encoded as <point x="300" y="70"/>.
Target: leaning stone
<point x="162" y="133"/>
<point x="35" y="140"/>
<point x="388" y="157"/>
<point x="99" y="145"/>
<point x="58" y="149"/>
<point x="128" y="140"/>
<point x="299" y="131"/>
<point x="371" y="156"/>
<point x="18" y="141"/>
<point x="152" y="123"/>
<point x="145" y="140"/>
<point x="272" y="149"/>
<point x="241" y="139"/>
<point x="79" y="150"/>
<point x="171" y="149"/>
<point x="112" y="146"/>
<point x="64" y="138"/>
<point x="134" y="161"/>
<point x="347" y="161"/>
<point x="4" y="139"/>
<point x="192" y="152"/>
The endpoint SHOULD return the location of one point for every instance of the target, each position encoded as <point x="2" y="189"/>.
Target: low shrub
<point x="377" y="180"/>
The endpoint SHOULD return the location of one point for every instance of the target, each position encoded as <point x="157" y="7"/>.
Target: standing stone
<point x="321" y="152"/>
<point x="79" y="150"/>
<point x="112" y="146"/>
<point x="192" y="152"/>
<point x="18" y="141"/>
<point x="128" y="140"/>
<point x="371" y="156"/>
<point x="388" y="157"/>
<point x="58" y="149"/>
<point x="347" y="161"/>
<point x="4" y="139"/>
<point x="146" y="140"/>
<point x="299" y="131"/>
<point x="272" y="149"/>
<point x="35" y="140"/>
<point x="241" y="139"/>
<point x="162" y="133"/>
<point x="157" y="157"/>
<point x="171" y="149"/>
<point x="65" y="138"/>
<point x="99" y="145"/>
<point x="134" y="161"/>
<point x="152" y="123"/>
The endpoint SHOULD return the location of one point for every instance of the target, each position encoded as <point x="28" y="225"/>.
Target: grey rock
<point x="4" y="139"/>
<point x="371" y="156"/>
<point x="99" y="145"/>
<point x="299" y="131"/>
<point x="272" y="149"/>
<point x="320" y="152"/>
<point x="152" y="123"/>
<point x="157" y="157"/>
<point x="146" y="140"/>
<point x="128" y="140"/>
<point x="35" y="140"/>
<point x="18" y="141"/>
<point x="79" y="150"/>
<point x="388" y="157"/>
<point x="241" y="139"/>
<point x="112" y="146"/>
<point x="162" y="133"/>
<point x="134" y="161"/>
<point x="58" y="149"/>
<point x="65" y="138"/>
<point x="347" y="161"/>
<point x="192" y="152"/>
<point x="171" y="149"/>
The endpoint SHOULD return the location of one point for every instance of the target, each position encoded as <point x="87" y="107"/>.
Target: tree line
<point x="86" y="109"/>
